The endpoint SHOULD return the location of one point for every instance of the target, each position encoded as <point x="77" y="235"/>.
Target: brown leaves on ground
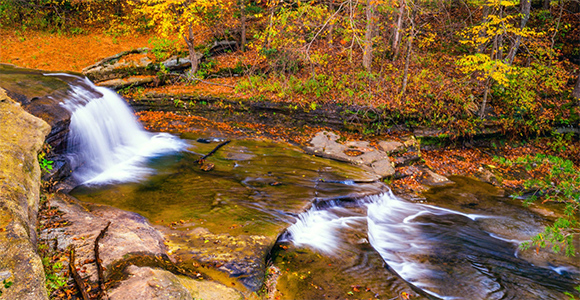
<point x="54" y="52"/>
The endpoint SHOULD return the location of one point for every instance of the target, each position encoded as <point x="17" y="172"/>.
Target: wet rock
<point x="149" y="283"/>
<point x="383" y="168"/>
<point x="391" y="146"/>
<point x="325" y="144"/>
<point x="40" y="96"/>
<point x="176" y="63"/>
<point x="21" y="138"/>
<point x="430" y="178"/>
<point x="128" y="233"/>
<point x="121" y="65"/>
<point x="242" y="258"/>
<point x="119" y="83"/>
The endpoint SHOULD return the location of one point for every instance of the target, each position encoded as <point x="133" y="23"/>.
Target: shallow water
<point x="344" y="239"/>
<point x="461" y="243"/>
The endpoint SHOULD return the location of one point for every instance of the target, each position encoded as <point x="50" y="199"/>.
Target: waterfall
<point x="106" y="144"/>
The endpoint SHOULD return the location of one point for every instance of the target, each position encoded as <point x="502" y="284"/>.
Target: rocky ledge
<point x="21" y="138"/>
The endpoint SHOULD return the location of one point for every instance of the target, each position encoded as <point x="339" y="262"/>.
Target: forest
<point x="492" y="86"/>
<point x="460" y="66"/>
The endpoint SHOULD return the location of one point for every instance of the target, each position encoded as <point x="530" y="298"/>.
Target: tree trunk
<point x="546" y="5"/>
<point x="525" y="6"/>
<point x="407" y="61"/>
<point x="398" y="30"/>
<point x="485" y="96"/>
<point x="189" y="40"/>
<point x="331" y="26"/>
<point x="243" y="24"/>
<point x="576" y="92"/>
<point x="482" y="46"/>
<point x="368" y="48"/>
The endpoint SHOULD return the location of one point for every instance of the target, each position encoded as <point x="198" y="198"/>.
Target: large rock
<point x="129" y="233"/>
<point x="41" y="96"/>
<point x="21" y="138"/>
<point x="129" y="240"/>
<point x="150" y="283"/>
<point x="325" y="144"/>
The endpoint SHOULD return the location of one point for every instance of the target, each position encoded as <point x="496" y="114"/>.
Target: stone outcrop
<point x="129" y="240"/>
<point x="21" y="138"/>
<point x="325" y="144"/>
<point x="152" y="283"/>
<point x="41" y="96"/>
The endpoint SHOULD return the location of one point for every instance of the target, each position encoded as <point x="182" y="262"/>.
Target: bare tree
<point x="368" y="43"/>
<point x="525" y="6"/>
<point x="398" y="30"/>
<point x="576" y="92"/>
<point x="243" y="24"/>
<point x="411" y="17"/>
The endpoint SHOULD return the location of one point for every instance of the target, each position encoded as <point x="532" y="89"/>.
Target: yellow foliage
<point x="485" y="67"/>
<point x="169" y="17"/>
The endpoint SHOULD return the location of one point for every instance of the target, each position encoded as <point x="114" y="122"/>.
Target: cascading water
<point x="106" y="144"/>
<point x="446" y="254"/>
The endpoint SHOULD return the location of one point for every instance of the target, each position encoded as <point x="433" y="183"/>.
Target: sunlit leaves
<point x="486" y="67"/>
<point x="558" y="180"/>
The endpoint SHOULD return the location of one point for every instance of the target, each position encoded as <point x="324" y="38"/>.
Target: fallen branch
<point x="212" y="151"/>
<point x="98" y="261"/>
<point x="78" y="280"/>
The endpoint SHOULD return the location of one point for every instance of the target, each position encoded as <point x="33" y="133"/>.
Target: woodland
<point x="499" y="73"/>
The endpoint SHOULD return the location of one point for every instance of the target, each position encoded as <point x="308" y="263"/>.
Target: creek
<point x="327" y="227"/>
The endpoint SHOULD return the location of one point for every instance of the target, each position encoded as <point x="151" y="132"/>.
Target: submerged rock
<point x="21" y="138"/>
<point x="149" y="283"/>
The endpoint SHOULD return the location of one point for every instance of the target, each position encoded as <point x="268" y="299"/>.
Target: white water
<point x="407" y="236"/>
<point x="316" y="228"/>
<point x="106" y="144"/>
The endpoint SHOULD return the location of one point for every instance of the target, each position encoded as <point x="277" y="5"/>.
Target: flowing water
<point x="345" y="238"/>
<point x="106" y="143"/>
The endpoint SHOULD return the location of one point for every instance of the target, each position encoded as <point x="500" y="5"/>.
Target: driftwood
<point x="98" y="262"/>
<point x="212" y="151"/>
<point x="78" y="280"/>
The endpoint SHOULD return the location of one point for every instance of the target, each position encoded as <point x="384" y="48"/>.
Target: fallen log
<point x="78" y="279"/>
<point x="213" y="151"/>
<point x="102" y="291"/>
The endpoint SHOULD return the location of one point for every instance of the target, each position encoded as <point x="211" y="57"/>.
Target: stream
<point x="327" y="228"/>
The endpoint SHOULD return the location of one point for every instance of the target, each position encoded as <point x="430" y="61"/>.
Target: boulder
<point x="431" y="179"/>
<point x="21" y="138"/>
<point x="324" y="144"/>
<point x="391" y="146"/>
<point x="176" y="63"/>
<point x="129" y="233"/>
